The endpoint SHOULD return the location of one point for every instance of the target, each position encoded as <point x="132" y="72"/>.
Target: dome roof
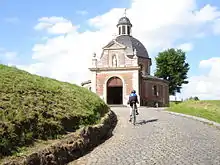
<point x="124" y="21"/>
<point x="132" y="43"/>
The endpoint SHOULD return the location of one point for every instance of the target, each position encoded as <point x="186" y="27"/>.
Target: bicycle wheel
<point x="134" y="114"/>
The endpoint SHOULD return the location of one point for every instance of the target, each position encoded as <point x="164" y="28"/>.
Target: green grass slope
<point x="34" y="107"/>
<point x="209" y="109"/>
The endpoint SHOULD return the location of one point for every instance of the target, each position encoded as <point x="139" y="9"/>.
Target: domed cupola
<point x="124" y="26"/>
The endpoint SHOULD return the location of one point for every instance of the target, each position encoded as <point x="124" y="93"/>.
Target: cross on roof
<point x="125" y="12"/>
<point x="114" y="35"/>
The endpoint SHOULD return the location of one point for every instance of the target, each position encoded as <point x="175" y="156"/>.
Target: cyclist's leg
<point x="130" y="113"/>
<point x="136" y="109"/>
<point x="131" y="108"/>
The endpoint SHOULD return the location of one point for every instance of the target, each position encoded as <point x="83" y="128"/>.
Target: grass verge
<point x="38" y="108"/>
<point x="208" y="109"/>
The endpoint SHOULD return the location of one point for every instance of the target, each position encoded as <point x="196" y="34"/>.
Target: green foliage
<point x="34" y="107"/>
<point x="206" y="109"/>
<point x="171" y="66"/>
<point x="193" y="98"/>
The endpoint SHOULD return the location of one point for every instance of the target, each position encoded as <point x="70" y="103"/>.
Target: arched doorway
<point x="114" y="91"/>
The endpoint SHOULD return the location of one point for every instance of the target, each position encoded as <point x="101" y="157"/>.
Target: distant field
<point x="208" y="109"/>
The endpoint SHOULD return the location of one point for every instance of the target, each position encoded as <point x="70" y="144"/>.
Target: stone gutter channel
<point x="203" y="120"/>
<point x="72" y="146"/>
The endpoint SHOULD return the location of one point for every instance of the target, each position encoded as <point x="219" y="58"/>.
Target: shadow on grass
<point x="146" y="121"/>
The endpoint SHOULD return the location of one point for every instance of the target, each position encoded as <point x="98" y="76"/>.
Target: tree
<point x="196" y="98"/>
<point x="171" y="66"/>
<point x="193" y="98"/>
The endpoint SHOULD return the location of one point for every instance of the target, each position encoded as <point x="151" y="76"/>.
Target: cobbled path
<point x="159" y="138"/>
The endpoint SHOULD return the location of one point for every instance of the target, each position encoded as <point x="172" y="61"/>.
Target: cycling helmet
<point x="133" y="91"/>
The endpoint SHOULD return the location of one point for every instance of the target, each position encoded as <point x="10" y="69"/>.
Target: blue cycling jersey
<point x="132" y="94"/>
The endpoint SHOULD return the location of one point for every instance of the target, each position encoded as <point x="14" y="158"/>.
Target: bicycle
<point x="133" y="113"/>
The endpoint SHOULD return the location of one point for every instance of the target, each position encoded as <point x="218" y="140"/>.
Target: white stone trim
<point x="123" y="88"/>
<point x="118" y="72"/>
<point x="134" y="61"/>
<point x="121" y="46"/>
<point x="135" y="84"/>
<point x="127" y="57"/>
<point x="93" y="82"/>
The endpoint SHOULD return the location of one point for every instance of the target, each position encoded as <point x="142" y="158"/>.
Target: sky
<point x="58" y="38"/>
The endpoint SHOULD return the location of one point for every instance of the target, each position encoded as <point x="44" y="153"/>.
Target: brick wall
<point x="104" y="76"/>
<point x="147" y="93"/>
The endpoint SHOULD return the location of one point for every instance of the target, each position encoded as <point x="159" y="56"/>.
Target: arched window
<point x="123" y="29"/>
<point x="128" y="30"/>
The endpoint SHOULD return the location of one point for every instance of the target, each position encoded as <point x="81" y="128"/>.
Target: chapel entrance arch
<point x="114" y="90"/>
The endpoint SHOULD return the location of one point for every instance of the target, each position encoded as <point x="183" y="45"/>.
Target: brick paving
<point x="159" y="138"/>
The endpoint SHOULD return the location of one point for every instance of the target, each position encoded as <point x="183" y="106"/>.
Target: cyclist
<point x="133" y="98"/>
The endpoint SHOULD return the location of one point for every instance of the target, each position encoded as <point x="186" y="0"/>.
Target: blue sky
<point x="18" y="35"/>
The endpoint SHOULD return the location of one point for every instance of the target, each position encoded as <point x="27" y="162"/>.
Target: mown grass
<point x="34" y="107"/>
<point x="208" y="109"/>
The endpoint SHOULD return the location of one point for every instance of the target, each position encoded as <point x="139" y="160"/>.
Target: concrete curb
<point x="206" y="121"/>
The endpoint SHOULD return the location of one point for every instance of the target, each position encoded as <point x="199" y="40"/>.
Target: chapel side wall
<point x="146" y="63"/>
<point x="148" y="97"/>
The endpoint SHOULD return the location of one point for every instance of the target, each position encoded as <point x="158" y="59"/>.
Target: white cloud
<point x="186" y="47"/>
<point x="214" y="65"/>
<point x="67" y="56"/>
<point x="205" y="86"/>
<point x="209" y="63"/>
<point x="82" y="12"/>
<point x="208" y="13"/>
<point x="55" y="25"/>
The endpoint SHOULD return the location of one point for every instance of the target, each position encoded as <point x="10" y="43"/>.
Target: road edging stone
<point x="206" y="121"/>
<point x="73" y="146"/>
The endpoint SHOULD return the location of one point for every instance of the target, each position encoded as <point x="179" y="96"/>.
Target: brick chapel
<point x="124" y="65"/>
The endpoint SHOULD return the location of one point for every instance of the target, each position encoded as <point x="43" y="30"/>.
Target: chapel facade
<point x="125" y="65"/>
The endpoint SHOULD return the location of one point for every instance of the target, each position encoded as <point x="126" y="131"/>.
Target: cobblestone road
<point x="169" y="140"/>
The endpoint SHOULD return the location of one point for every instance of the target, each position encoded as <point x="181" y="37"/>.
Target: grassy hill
<point x="209" y="109"/>
<point x="34" y="107"/>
